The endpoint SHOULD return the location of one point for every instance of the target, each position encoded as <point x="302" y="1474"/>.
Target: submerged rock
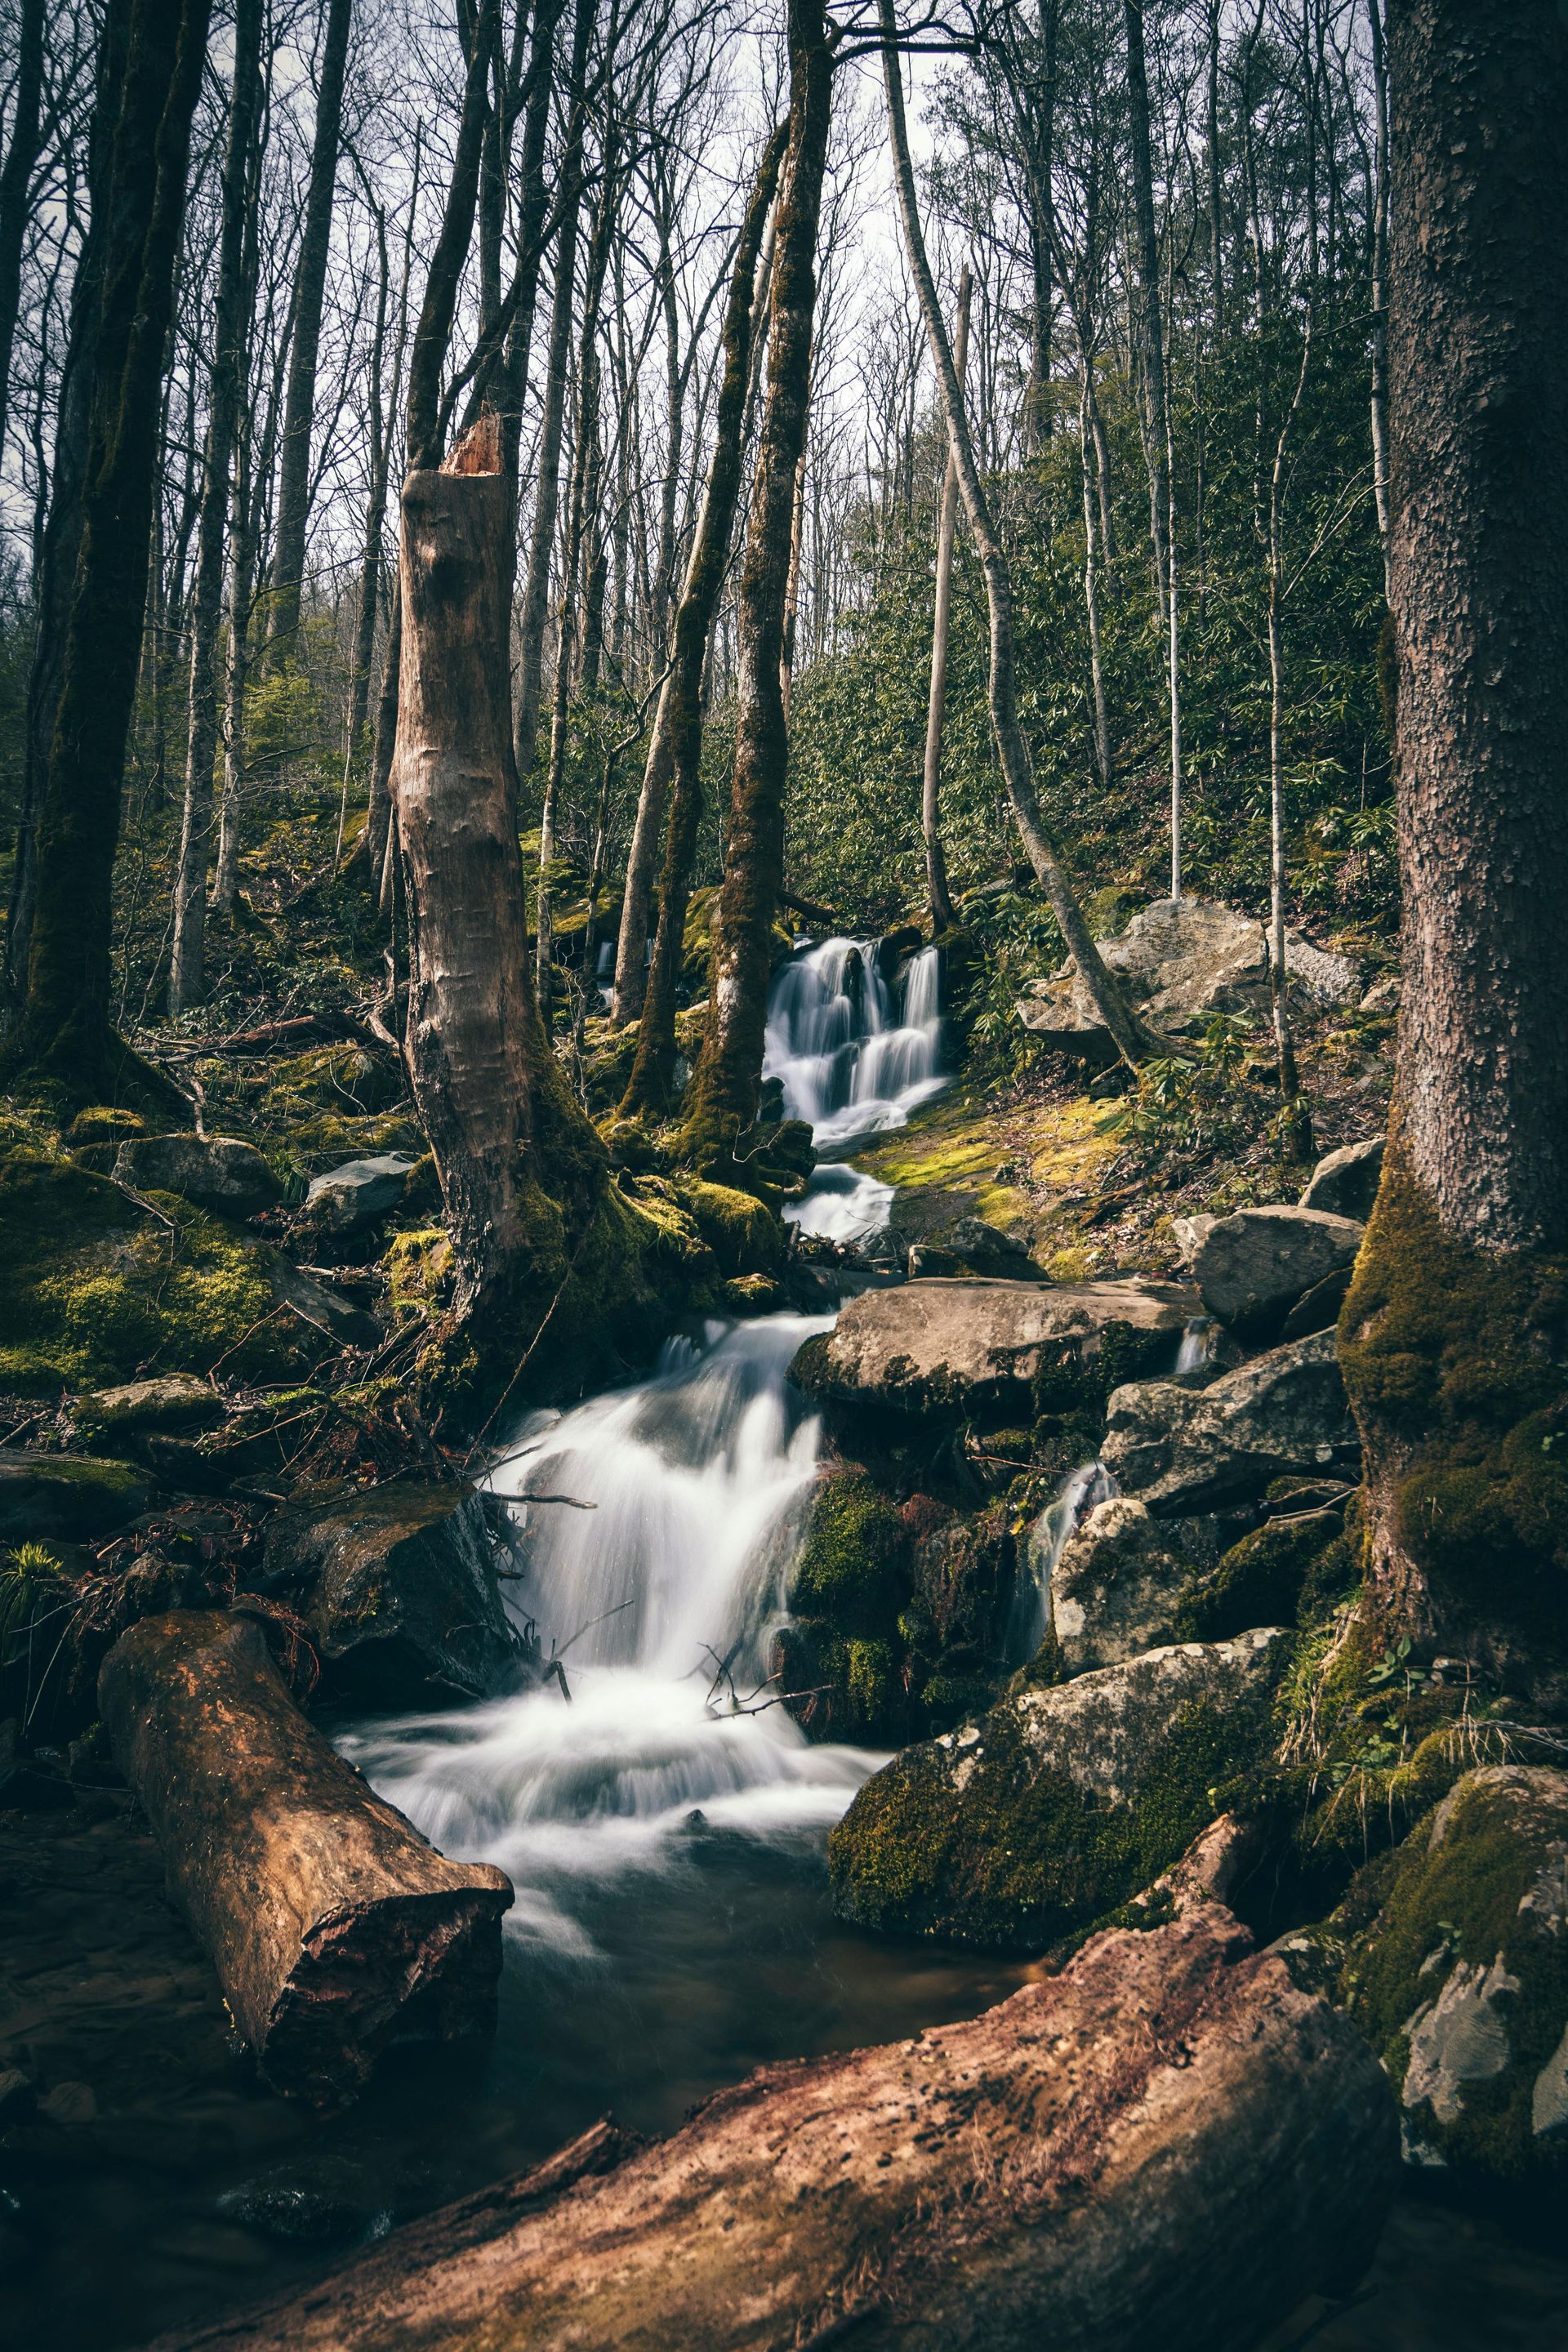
<point x="1252" y="1266"/>
<point x="1059" y="1804"/>
<point x="216" y="1171"/>
<point x="1115" y="1587"/>
<point x="1182" y="1450"/>
<point x="1346" y="1181"/>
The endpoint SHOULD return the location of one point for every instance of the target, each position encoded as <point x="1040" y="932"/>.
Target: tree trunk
<point x="1091" y="591"/>
<point x="66" y="1032"/>
<point x="1453" y="1337"/>
<point x="334" y="1928"/>
<point x="378" y="807"/>
<point x="724" y="1085"/>
<point x="1379" y="283"/>
<point x="941" y="914"/>
<point x="311" y="281"/>
<point x="1167" y="2143"/>
<point x="16" y="181"/>
<point x="674" y="748"/>
<point x="1132" y="1037"/>
<point x="371" y="560"/>
<point x="1148" y="338"/>
<point x="231" y="330"/>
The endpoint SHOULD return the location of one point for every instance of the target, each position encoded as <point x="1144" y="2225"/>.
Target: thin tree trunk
<point x="187" y="973"/>
<point x="16" y="181"/>
<point x="724" y="1095"/>
<point x="1298" y="1124"/>
<point x="1132" y="1037"/>
<point x="378" y="805"/>
<point x="1092" y="594"/>
<point x="1217" y="226"/>
<point x="66" y="1027"/>
<point x="1147" y="330"/>
<point x="1380" y="286"/>
<point x="941" y="914"/>
<point x="375" y="525"/>
<point x="674" y="748"/>
<point x="792" y="583"/>
<point x="311" y="281"/>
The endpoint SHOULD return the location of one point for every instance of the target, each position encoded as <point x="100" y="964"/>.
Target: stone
<point x="1184" y="1451"/>
<point x="1459" y="1976"/>
<point x="1059" y="1804"/>
<point x="1181" y="958"/>
<point x="344" y="1325"/>
<point x="16" y="2093"/>
<point x="348" y="1198"/>
<point x="1252" y="1266"/>
<point x="1346" y="1181"/>
<point x="178" y="1402"/>
<point x="969" y="1245"/>
<point x="951" y="1345"/>
<point x="1384" y="995"/>
<point x="1190" y="1232"/>
<point x="77" y="1495"/>
<point x="70" y="2103"/>
<point x="1318" y="1309"/>
<point x="218" y="1172"/>
<point x="398" y="1590"/>
<point x="1115" y="1587"/>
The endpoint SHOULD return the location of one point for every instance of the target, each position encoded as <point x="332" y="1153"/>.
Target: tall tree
<point x="67" y="1030"/>
<point x="311" y="283"/>
<point x="940" y="903"/>
<point x="22" y="154"/>
<point x="1455" y="1337"/>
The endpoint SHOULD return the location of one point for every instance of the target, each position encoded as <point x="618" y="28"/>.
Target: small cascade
<point x="1197" y="1345"/>
<point x="1090" y="1484"/>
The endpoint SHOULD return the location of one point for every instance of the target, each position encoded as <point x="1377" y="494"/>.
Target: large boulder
<point x="75" y="1495"/>
<point x="1252" y="1267"/>
<point x="1115" y="1587"/>
<point x="977" y="1347"/>
<point x="1059" y="1803"/>
<point x="214" y="1171"/>
<point x="1460" y="1977"/>
<point x="1180" y="958"/>
<point x="349" y="1198"/>
<point x="1346" y="1181"/>
<point x="398" y="1592"/>
<point x="1182" y="1450"/>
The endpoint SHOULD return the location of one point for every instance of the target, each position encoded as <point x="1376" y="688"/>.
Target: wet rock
<point x="219" y="1173"/>
<point x="1252" y="1266"/>
<point x="1459" y="1976"/>
<point x="1115" y="1587"/>
<point x="347" y="1199"/>
<point x="398" y="1590"/>
<point x="309" y="2201"/>
<point x="1187" y="1451"/>
<point x="1345" y="1184"/>
<point x="1059" y="1804"/>
<point x="177" y="1404"/>
<point x="69" y="1495"/>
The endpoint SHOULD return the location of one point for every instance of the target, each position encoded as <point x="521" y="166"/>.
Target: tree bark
<point x="231" y="329"/>
<point x="16" y="181"/>
<point x="1380" y="284"/>
<point x="1453" y="1336"/>
<point x="1132" y="1037"/>
<point x="334" y="1928"/>
<point x="724" y="1085"/>
<point x="674" y="748"/>
<point x="311" y="281"/>
<point x="941" y="914"/>
<point x="1165" y="2144"/>
<point x="67" y="1030"/>
<point x="1148" y="338"/>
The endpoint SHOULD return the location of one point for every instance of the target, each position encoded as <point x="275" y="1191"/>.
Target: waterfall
<point x="1197" y="1346"/>
<point x="658" y="1559"/>
<point x="1080" y="1490"/>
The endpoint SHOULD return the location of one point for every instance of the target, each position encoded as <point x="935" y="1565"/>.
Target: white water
<point x="855" y="1057"/>
<point x="1197" y="1345"/>
<point x="1079" y="1492"/>
<point x="698" y="1477"/>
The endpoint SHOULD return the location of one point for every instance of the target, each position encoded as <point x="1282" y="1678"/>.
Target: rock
<point x="219" y="1173"/>
<point x="1190" y="1232"/>
<point x="969" y="1246"/>
<point x="1259" y="1580"/>
<point x="1115" y="1587"/>
<point x="957" y="1346"/>
<point x="69" y="1495"/>
<point x="1460" y="1979"/>
<point x="1345" y="1182"/>
<point x="309" y="2201"/>
<point x="1059" y="1803"/>
<point x="1167" y="2143"/>
<point x="348" y="1198"/>
<point x="1384" y="995"/>
<point x="70" y="2103"/>
<point x="398" y="1590"/>
<point x="179" y="1403"/>
<point x="1318" y="1309"/>
<point x="1182" y="1450"/>
<point x="344" y="1325"/>
<point x="1181" y="958"/>
<point x="104" y="1123"/>
<point x="16" y="2093"/>
<point x="1252" y="1266"/>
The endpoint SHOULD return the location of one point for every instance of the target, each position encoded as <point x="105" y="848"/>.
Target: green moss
<point x="105" y="1124"/>
<point x="853" y="1569"/>
<point x="418" y="1268"/>
<point x="1259" y="1581"/>
<point x="744" y="1236"/>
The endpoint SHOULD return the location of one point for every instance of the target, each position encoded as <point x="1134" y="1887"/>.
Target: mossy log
<point x="1167" y="2143"/>
<point x="333" y="1927"/>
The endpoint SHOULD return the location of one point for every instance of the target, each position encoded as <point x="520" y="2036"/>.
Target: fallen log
<point x="1167" y="2143"/>
<point x="334" y="1928"/>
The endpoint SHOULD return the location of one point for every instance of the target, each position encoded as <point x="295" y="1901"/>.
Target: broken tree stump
<point x="334" y="1928"/>
<point x="1168" y="2144"/>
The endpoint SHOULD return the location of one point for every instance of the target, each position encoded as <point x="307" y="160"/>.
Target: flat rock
<point x="1252" y="1266"/>
<point x="178" y="1402"/>
<point x="1115" y="1586"/>
<point x="1182" y="1450"/>
<point x="357" y="1193"/>
<point x="968" y="1245"/>
<point x="1059" y="1803"/>
<point x="1345" y="1182"/>
<point x="75" y="1495"/>
<point x="218" y="1172"/>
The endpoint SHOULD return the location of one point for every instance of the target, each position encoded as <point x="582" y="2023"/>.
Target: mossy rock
<point x="104" y="1124"/>
<point x="74" y="1495"/>
<point x="418" y="1268"/>
<point x="1259" y="1580"/>
<point x="853" y="1569"/>
<point x="1460" y="1978"/>
<point x="744" y="1235"/>
<point x="96" y="1291"/>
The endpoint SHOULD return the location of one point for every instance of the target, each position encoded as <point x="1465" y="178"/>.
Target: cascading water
<point x="854" y="1057"/>
<point x="1090" y="1484"/>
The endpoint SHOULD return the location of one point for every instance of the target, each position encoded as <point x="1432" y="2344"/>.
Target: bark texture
<point x="1168" y="2144"/>
<point x="937" y="894"/>
<point x="334" y="1928"/>
<point x="16" y="179"/>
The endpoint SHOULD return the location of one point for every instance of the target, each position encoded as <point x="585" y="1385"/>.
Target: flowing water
<point x="1078" y="1495"/>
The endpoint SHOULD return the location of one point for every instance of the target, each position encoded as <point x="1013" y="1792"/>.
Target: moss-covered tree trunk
<point x="1455" y="1336"/>
<point x="675" y="750"/>
<point x="66" y="1032"/>
<point x="724" y="1087"/>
